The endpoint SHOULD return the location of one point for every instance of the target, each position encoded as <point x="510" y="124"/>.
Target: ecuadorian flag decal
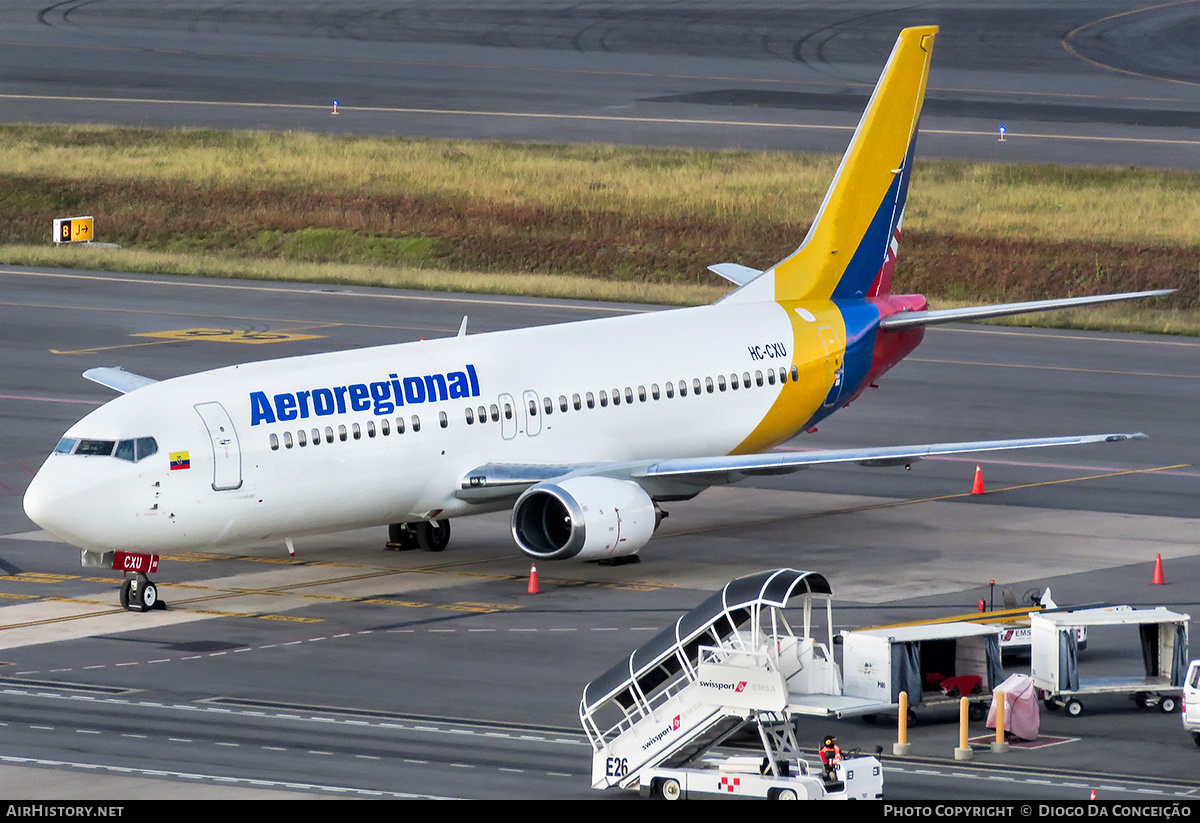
<point x="180" y="460"/>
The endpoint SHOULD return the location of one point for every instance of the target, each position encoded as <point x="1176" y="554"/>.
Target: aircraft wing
<point x="116" y="378"/>
<point x="685" y="477"/>
<point x="714" y="470"/>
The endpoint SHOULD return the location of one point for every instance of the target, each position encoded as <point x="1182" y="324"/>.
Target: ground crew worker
<point x="831" y="755"/>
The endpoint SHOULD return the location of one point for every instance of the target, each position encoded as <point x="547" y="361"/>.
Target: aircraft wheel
<point x="149" y="596"/>
<point x="670" y="789"/>
<point x="123" y="593"/>
<point x="433" y="536"/>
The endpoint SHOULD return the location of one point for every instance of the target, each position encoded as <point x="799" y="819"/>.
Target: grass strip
<point x="601" y="222"/>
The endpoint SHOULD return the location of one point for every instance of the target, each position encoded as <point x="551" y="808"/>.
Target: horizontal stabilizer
<point x="735" y="273"/>
<point x="116" y="378"/>
<point x="912" y="319"/>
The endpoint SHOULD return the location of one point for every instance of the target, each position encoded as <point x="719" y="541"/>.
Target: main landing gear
<point x="430" y="535"/>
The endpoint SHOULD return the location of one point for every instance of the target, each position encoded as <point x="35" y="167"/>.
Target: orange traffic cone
<point x="977" y="488"/>
<point x="533" y="581"/>
<point x="1157" y="580"/>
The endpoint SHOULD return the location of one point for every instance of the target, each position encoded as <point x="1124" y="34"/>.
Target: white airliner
<point x="581" y="429"/>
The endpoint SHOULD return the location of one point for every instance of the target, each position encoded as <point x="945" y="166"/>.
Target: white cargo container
<point x="1161" y="637"/>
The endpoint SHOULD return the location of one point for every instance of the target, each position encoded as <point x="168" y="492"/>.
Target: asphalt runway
<point x="354" y="672"/>
<point x="1095" y="83"/>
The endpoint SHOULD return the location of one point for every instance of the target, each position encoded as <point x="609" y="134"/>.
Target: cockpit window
<point x="131" y="450"/>
<point x="96" y="447"/>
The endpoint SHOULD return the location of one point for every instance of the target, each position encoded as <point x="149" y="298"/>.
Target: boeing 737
<point x="583" y="429"/>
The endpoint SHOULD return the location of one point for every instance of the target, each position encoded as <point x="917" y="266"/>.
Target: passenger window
<point x="371" y="427"/>
<point x="654" y="390"/>
<point x="733" y="381"/>
<point x="548" y="405"/>
<point x="576" y="402"/>
<point x="301" y="438"/>
<point x="316" y="437"/>
<point x="508" y="411"/>
<point x="795" y="374"/>
<point x="591" y="400"/>
<point x="329" y="434"/>
<point x="341" y="433"/>
<point x="442" y="421"/>
<point x="771" y="376"/>
<point x="533" y="408"/>
<point x="670" y="390"/>
<point x="385" y="427"/>
<point x="695" y="385"/>
<point x="746" y="379"/>
<point x="629" y="394"/>
<point x="562" y="402"/>
<point x="616" y="397"/>
<point x="758" y="377"/>
<point x="782" y="375"/>
<point x="399" y="425"/>
<point x="721" y="382"/>
<point x="274" y="442"/>
<point x="495" y="410"/>
<point x="483" y="414"/>
<point x="603" y="399"/>
<point x="471" y="416"/>
<point x="356" y="430"/>
<point x="287" y="440"/>
<point x="416" y="423"/>
<point x="683" y="388"/>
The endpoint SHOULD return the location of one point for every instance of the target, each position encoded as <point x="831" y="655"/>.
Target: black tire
<point x="977" y="711"/>
<point x="1196" y="738"/>
<point x="669" y="789"/>
<point x="1167" y="704"/>
<point x="433" y="535"/>
<point x="786" y="794"/>
<point x="870" y="719"/>
<point x="1050" y="704"/>
<point x="123" y="593"/>
<point x="1074" y="707"/>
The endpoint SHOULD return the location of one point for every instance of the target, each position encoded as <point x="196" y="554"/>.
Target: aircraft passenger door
<point x="834" y="361"/>
<point x="227" y="454"/>
<point x="533" y="415"/>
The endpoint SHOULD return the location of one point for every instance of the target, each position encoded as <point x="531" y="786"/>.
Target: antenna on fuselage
<point x="462" y="329"/>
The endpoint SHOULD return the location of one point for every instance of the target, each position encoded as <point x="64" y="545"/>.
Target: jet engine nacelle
<point x="587" y="518"/>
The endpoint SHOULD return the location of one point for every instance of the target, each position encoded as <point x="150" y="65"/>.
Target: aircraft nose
<point x="55" y="502"/>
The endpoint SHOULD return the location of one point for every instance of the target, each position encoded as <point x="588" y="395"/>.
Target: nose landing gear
<point x="140" y="594"/>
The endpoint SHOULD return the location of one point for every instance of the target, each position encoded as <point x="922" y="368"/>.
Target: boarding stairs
<point x="730" y="663"/>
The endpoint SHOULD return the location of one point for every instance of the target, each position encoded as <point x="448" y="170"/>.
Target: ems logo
<point x="729" y="784"/>
<point x="180" y="460"/>
<point x="741" y="687"/>
<point x="675" y="723"/>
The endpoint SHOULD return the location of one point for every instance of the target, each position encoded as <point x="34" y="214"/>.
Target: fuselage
<point x="322" y="443"/>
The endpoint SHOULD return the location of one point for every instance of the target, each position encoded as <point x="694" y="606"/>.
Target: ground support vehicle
<point x="1191" y="700"/>
<point x="1160" y="635"/>
<point x="855" y="778"/>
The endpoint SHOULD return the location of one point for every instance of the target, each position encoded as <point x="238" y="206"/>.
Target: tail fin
<point x="850" y="250"/>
